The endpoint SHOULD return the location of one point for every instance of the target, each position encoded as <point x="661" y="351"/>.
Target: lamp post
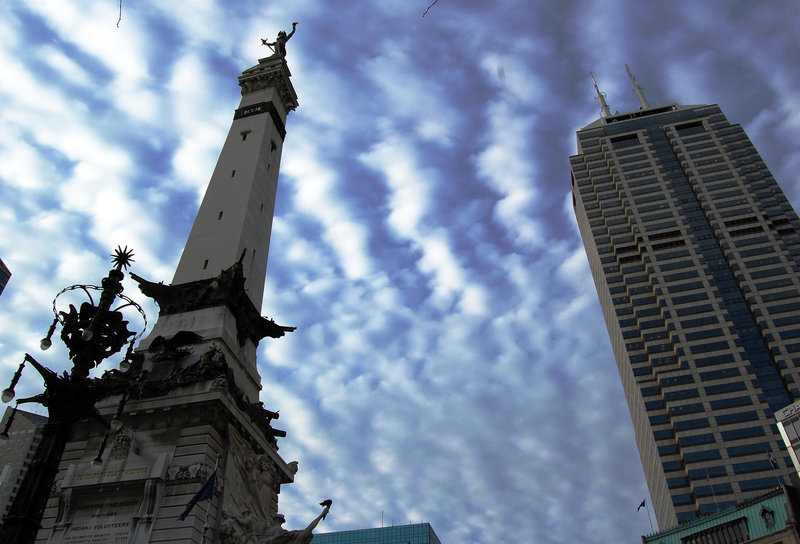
<point x="91" y="334"/>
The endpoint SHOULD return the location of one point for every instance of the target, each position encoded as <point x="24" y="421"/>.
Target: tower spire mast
<point x="601" y="97"/>
<point x="638" y="90"/>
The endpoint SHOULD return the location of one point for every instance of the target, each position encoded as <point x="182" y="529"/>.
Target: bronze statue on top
<point x="279" y="45"/>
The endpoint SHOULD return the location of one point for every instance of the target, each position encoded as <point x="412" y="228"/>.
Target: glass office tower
<point x="415" y="533"/>
<point x="5" y="275"/>
<point x="695" y="253"/>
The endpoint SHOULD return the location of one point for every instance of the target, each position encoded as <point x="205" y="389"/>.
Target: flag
<point x="643" y="505"/>
<point x="204" y="493"/>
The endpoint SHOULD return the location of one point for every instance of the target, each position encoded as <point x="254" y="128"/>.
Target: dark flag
<point x="204" y="493"/>
<point x="641" y="506"/>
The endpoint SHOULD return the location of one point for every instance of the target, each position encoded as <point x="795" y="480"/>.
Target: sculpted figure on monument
<point x="279" y="45"/>
<point x="278" y="535"/>
<point x="239" y="530"/>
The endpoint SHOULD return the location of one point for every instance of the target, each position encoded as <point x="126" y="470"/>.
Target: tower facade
<point x="414" y="533"/>
<point x="16" y="452"/>
<point x="695" y="254"/>
<point x="5" y="275"/>
<point x="187" y="412"/>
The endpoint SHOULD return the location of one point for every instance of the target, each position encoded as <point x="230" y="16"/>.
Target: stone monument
<point x="187" y="412"/>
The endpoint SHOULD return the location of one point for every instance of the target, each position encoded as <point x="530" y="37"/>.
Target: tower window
<point x="233" y="173"/>
<point x="695" y="127"/>
<point x="219" y="217"/>
<point x="262" y="208"/>
<point x="205" y="264"/>
<point x="625" y="141"/>
<point x="272" y="145"/>
<point x="244" y="134"/>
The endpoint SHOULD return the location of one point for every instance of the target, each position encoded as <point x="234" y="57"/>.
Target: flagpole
<point x="708" y="479"/>
<point x="777" y="478"/>
<point x="774" y="464"/>
<point x="208" y="510"/>
<point x="644" y="503"/>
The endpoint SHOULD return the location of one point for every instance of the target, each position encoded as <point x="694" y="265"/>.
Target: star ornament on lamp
<point x="95" y="332"/>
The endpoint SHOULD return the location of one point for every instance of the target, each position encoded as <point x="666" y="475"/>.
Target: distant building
<point x="5" y="275"/>
<point x="16" y="452"/>
<point x="789" y="426"/>
<point x="695" y="254"/>
<point x="417" y="533"/>
<point x="771" y="518"/>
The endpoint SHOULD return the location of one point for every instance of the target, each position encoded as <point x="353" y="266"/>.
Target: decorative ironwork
<point x="91" y="333"/>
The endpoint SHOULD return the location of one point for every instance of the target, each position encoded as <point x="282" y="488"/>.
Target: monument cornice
<point x="270" y="73"/>
<point x="227" y="289"/>
<point x="183" y="401"/>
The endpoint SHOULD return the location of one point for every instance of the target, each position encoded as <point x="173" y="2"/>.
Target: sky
<point x="450" y="363"/>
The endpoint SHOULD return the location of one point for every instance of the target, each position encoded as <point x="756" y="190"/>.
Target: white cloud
<point x="504" y="165"/>
<point x="450" y="353"/>
<point x="424" y="102"/>
<point x="316" y="195"/>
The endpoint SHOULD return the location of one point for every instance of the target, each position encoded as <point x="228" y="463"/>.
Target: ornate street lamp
<point x="92" y="333"/>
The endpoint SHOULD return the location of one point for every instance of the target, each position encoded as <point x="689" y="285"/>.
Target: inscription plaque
<point x="102" y="521"/>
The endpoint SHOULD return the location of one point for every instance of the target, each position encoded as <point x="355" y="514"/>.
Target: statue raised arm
<point x="279" y="45"/>
<point x="278" y="535"/>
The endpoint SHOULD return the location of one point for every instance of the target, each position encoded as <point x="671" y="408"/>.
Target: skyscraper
<point x="5" y="275"/>
<point x="695" y="253"/>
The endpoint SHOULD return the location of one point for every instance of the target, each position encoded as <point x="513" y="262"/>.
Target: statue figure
<point x="279" y="45"/>
<point x="276" y="534"/>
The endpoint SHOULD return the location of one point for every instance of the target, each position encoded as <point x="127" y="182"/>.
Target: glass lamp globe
<point x="7" y="395"/>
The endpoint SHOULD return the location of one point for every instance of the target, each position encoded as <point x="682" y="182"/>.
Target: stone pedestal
<point x="167" y="448"/>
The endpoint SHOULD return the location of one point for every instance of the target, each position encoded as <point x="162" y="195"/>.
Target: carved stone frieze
<point x="250" y="499"/>
<point x="271" y="72"/>
<point x="121" y="447"/>
<point x="191" y="471"/>
<point x="211" y="366"/>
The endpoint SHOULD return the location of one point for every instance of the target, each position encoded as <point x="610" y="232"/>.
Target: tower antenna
<point x="638" y="90"/>
<point x="601" y="97"/>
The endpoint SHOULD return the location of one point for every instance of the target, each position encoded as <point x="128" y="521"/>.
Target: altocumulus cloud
<point x="450" y="362"/>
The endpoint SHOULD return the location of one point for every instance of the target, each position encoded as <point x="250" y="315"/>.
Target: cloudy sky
<point x="450" y="362"/>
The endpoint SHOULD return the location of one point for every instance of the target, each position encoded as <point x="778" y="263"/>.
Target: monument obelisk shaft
<point x="235" y="217"/>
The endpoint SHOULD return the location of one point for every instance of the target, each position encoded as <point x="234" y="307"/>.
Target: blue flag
<point x="204" y="493"/>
